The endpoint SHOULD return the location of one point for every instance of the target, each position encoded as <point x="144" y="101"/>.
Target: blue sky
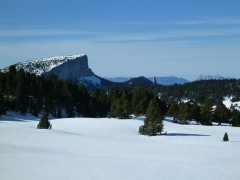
<point x="126" y="38"/>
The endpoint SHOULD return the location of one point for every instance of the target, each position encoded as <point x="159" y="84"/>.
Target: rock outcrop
<point x="72" y="69"/>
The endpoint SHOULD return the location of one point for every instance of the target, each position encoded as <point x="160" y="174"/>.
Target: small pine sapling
<point x="44" y="122"/>
<point x="225" y="137"/>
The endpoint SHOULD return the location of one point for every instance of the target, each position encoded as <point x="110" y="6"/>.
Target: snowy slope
<point x="40" y="66"/>
<point x="227" y="102"/>
<point x="94" y="80"/>
<point x="107" y="149"/>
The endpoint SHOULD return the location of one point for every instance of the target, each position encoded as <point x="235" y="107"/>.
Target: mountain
<point x="73" y="67"/>
<point x="139" y="81"/>
<point x="169" y="80"/>
<point x="210" y="77"/>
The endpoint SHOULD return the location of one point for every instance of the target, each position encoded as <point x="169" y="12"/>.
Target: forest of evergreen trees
<point x="28" y="93"/>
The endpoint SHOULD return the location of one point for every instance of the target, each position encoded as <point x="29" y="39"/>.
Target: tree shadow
<point x="20" y="118"/>
<point x="140" y="118"/>
<point x="184" y="134"/>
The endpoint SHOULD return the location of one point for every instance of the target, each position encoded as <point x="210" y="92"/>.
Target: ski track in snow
<point x="106" y="149"/>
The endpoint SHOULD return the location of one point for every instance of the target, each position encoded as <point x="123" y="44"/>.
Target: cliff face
<point x="72" y="69"/>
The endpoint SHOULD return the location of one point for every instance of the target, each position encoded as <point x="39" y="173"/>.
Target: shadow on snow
<point x="184" y="134"/>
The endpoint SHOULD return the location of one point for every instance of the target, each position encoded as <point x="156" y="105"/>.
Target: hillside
<point x="84" y="148"/>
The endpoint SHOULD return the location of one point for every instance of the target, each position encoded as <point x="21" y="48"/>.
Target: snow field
<point x="85" y="148"/>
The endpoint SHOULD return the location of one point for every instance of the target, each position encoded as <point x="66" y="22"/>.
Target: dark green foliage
<point x="206" y="114"/>
<point x="173" y="110"/>
<point x="44" y="123"/>
<point x="140" y="100"/>
<point x="28" y="93"/>
<point x="196" y="112"/>
<point x="153" y="124"/>
<point x="100" y="99"/>
<point x="200" y="91"/>
<point x="221" y="113"/>
<point x="21" y="99"/>
<point x="120" y="108"/>
<point x="91" y="111"/>
<point x="225" y="137"/>
<point x="184" y="114"/>
<point x="235" y="117"/>
<point x="2" y="105"/>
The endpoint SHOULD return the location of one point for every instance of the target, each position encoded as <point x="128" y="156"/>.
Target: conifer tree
<point x="153" y="124"/>
<point x="140" y="100"/>
<point x="120" y="108"/>
<point x="196" y="112"/>
<point x="235" y="117"/>
<point x="225" y="137"/>
<point x="2" y="105"/>
<point x="173" y="110"/>
<point x="184" y="113"/>
<point x="44" y="123"/>
<point x="206" y="113"/>
<point x="221" y="113"/>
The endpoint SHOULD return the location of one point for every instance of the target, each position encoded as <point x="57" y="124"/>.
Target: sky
<point x="184" y="38"/>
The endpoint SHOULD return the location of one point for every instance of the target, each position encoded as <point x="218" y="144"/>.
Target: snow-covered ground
<point x="227" y="102"/>
<point x="111" y="149"/>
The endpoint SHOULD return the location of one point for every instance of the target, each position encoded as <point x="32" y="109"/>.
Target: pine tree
<point x="235" y="117"/>
<point x="92" y="110"/>
<point x="173" y="110"/>
<point x="206" y="113"/>
<point x="2" y="105"/>
<point x="225" y="137"/>
<point x="184" y="113"/>
<point x="153" y="124"/>
<point x="140" y="100"/>
<point x="221" y="113"/>
<point x="196" y="112"/>
<point x="120" y="108"/>
<point x="44" y="123"/>
<point x="20" y="92"/>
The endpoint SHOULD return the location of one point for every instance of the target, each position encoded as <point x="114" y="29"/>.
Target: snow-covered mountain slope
<point x="228" y="103"/>
<point x="119" y="79"/>
<point x="43" y="65"/>
<point x="106" y="149"/>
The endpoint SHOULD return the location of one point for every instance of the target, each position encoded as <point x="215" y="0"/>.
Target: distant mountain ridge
<point x="168" y="80"/>
<point x="211" y="77"/>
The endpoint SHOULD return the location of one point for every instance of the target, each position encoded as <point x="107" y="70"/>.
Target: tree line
<point x="200" y="91"/>
<point x="28" y="93"/>
<point x="24" y="92"/>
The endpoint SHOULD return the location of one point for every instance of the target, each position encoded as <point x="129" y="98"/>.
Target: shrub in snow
<point x="44" y="122"/>
<point x="225" y="137"/>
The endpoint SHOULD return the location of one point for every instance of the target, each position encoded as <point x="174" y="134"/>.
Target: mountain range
<point x="168" y="80"/>
<point x="210" y="77"/>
